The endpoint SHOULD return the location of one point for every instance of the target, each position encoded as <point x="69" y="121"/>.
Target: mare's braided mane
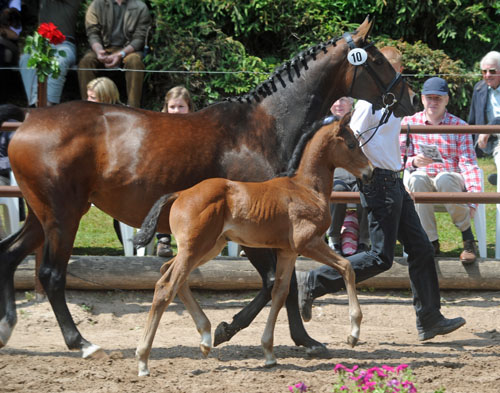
<point x="288" y="70"/>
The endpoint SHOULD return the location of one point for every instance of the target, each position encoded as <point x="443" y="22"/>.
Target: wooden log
<point x="229" y="273"/>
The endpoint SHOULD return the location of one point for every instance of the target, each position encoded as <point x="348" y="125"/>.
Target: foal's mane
<point x="294" y="162"/>
<point x="290" y="69"/>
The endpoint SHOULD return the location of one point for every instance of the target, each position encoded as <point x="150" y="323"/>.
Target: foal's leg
<point x="200" y="319"/>
<point x="13" y="250"/>
<point x="264" y="261"/>
<point x="165" y="289"/>
<point x="284" y="270"/>
<point x="318" y="250"/>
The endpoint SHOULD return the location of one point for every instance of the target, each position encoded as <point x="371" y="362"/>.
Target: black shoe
<point x="442" y="327"/>
<point x="305" y="298"/>
<point x="492" y="179"/>
<point x="437" y="250"/>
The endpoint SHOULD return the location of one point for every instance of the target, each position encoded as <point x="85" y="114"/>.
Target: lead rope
<point x="407" y="147"/>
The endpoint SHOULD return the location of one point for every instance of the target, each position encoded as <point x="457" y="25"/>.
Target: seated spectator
<point x="177" y="100"/>
<point x="116" y="31"/>
<point x="63" y="14"/>
<point x="485" y="106"/>
<point x="10" y="28"/>
<point x="345" y="181"/>
<point x="442" y="163"/>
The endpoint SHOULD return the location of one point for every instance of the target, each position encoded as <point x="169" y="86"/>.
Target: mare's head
<point x="344" y="150"/>
<point x="371" y="76"/>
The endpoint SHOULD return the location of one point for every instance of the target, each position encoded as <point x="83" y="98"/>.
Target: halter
<point x="388" y="98"/>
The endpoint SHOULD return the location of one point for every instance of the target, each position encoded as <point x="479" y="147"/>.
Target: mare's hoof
<point x="93" y="352"/>
<point x="222" y="334"/>
<point x="352" y="341"/>
<point x="318" y="351"/>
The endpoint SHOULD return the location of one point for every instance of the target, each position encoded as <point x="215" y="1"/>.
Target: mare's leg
<point x="318" y="250"/>
<point x="60" y="223"/>
<point x="13" y="250"/>
<point x="264" y="260"/>
<point x="284" y="270"/>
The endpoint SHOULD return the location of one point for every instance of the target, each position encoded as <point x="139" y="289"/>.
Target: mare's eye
<point x="351" y="145"/>
<point x="379" y="61"/>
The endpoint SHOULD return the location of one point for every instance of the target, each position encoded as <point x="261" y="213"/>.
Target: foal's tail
<point x="148" y="228"/>
<point x="12" y="112"/>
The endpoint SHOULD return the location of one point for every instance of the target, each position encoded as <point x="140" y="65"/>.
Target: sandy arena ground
<point x="36" y="358"/>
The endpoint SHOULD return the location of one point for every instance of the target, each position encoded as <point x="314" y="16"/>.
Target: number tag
<point x="357" y="56"/>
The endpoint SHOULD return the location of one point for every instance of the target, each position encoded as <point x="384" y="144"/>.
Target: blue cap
<point x="436" y="86"/>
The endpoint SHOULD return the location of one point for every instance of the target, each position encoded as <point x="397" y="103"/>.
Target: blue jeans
<point x="54" y="86"/>
<point x="391" y="217"/>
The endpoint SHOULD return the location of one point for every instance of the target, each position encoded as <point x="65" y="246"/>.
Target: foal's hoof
<point x="352" y="341"/>
<point x="205" y="349"/>
<point x="270" y="363"/>
<point x="222" y="334"/>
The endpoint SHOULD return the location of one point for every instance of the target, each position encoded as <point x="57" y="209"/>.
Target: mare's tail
<point x="12" y="112"/>
<point x="148" y="228"/>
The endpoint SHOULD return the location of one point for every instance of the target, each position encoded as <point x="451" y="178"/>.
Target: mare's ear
<point x="365" y="29"/>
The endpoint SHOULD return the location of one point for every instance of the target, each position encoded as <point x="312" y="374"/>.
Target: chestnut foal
<point x="289" y="214"/>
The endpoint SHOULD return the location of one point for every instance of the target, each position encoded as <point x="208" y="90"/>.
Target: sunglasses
<point x="492" y="71"/>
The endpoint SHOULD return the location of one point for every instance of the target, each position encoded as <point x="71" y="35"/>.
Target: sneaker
<point x="442" y="327"/>
<point x="163" y="248"/>
<point x="492" y="179"/>
<point x="362" y="247"/>
<point x="469" y="254"/>
<point x="435" y="244"/>
<point x="243" y="254"/>
<point x="305" y="298"/>
<point x="334" y="246"/>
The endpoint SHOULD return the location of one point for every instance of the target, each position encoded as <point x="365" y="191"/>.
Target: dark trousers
<point x="391" y="217"/>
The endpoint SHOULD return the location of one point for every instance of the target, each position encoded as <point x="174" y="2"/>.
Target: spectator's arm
<point x="93" y="28"/>
<point x="141" y="30"/>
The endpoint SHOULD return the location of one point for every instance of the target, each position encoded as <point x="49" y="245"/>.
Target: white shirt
<point x="383" y="149"/>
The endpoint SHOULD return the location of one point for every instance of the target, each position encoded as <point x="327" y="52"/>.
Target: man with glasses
<point x="485" y="107"/>
<point x="452" y="168"/>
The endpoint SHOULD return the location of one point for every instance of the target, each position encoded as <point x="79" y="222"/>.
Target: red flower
<point x="52" y="33"/>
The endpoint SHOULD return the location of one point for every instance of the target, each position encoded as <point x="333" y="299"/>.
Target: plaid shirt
<point x="457" y="150"/>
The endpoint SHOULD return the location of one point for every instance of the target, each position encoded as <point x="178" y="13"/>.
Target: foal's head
<point x="345" y="151"/>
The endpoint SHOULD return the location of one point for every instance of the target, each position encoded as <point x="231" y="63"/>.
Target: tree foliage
<point x="244" y="40"/>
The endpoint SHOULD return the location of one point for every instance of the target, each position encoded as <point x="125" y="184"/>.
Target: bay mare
<point x="290" y="214"/>
<point x="122" y="159"/>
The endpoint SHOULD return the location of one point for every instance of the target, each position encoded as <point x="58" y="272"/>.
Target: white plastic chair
<point x="10" y="206"/>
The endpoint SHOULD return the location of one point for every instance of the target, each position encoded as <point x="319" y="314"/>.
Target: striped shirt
<point x="457" y="150"/>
